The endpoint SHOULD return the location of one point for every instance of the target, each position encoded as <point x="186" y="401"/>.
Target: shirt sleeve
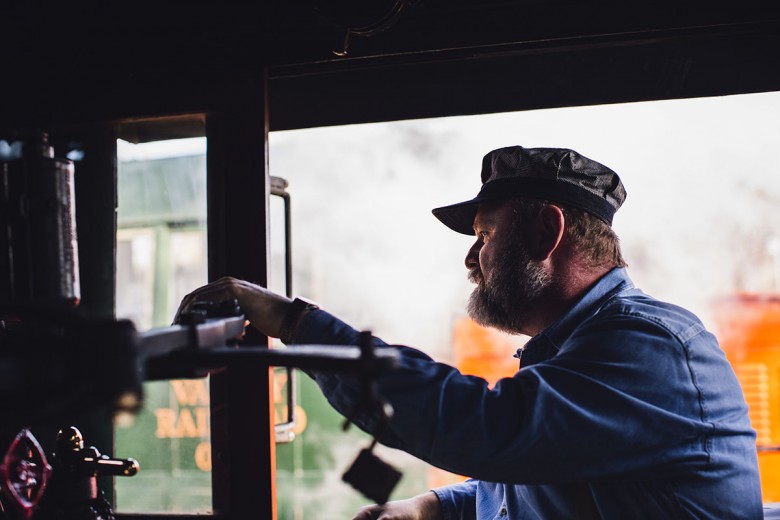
<point x="458" y="501"/>
<point x="596" y="411"/>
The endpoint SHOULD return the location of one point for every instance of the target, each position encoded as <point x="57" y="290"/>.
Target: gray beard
<point x="516" y="283"/>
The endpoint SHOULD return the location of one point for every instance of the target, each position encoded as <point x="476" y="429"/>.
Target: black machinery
<point x="57" y="361"/>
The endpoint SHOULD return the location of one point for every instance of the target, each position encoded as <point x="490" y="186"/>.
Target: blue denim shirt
<point x="624" y="408"/>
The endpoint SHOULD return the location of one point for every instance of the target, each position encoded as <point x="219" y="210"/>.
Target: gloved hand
<point x="264" y="309"/>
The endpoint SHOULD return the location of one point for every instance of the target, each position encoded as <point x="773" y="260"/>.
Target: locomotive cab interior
<point x="84" y="76"/>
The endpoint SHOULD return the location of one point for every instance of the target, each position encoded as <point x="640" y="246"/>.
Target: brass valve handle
<point x="96" y="464"/>
<point x="89" y="461"/>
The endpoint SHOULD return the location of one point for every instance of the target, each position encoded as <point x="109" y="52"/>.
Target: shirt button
<point x="503" y="511"/>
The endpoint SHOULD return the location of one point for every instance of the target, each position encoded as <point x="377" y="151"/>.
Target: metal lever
<point x="99" y="464"/>
<point x="369" y="373"/>
<point x="73" y="492"/>
<point x="284" y="431"/>
<point x="89" y="461"/>
<point x="369" y="474"/>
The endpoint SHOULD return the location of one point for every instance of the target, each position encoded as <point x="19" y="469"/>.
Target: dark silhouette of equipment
<point x="58" y="361"/>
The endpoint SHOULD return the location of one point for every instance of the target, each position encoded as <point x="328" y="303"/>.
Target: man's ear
<point x="547" y="232"/>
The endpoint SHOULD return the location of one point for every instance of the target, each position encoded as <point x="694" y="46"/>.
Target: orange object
<point x="748" y="328"/>
<point x="483" y="352"/>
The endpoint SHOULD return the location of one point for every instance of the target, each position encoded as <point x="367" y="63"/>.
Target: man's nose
<point x="472" y="257"/>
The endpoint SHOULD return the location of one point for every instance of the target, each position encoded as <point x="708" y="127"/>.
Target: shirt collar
<point x="547" y="343"/>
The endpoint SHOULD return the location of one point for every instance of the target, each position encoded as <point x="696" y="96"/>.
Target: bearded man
<point x="624" y="407"/>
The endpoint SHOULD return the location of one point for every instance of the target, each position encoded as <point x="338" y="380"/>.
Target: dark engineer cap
<point x="552" y="174"/>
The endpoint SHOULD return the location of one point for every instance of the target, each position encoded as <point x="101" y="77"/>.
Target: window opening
<point x="699" y="228"/>
<point x="699" y="225"/>
<point x="161" y="256"/>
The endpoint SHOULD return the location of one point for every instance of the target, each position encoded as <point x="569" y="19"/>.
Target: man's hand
<point x="264" y="309"/>
<point x="421" y="507"/>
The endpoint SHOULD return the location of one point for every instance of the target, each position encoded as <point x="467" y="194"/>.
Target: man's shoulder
<point x="633" y="308"/>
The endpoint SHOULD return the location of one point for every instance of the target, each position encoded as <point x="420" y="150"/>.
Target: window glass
<point x="161" y="256"/>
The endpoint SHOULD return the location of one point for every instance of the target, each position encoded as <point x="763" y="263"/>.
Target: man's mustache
<point x="475" y="276"/>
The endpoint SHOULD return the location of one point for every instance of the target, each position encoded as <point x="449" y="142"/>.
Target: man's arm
<point x="528" y="428"/>
<point x="267" y="312"/>
<point x="579" y="415"/>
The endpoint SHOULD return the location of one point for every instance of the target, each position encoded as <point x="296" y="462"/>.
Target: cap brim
<point x="459" y="217"/>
